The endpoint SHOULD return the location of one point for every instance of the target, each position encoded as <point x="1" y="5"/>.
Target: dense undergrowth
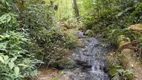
<point x="112" y="19"/>
<point x="16" y="61"/>
<point x="29" y="36"/>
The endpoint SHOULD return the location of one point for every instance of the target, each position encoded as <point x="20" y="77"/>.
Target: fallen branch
<point x="130" y="45"/>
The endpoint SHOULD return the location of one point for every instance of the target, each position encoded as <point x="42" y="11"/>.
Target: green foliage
<point x="121" y="74"/>
<point x="16" y="62"/>
<point x="89" y="33"/>
<point x="47" y="38"/>
<point x="116" y="70"/>
<point x="113" y="35"/>
<point x="110" y="15"/>
<point x="8" y="22"/>
<point x="136" y="14"/>
<point x="38" y="17"/>
<point x="70" y="40"/>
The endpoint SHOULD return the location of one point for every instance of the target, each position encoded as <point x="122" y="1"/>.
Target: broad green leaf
<point x="129" y="71"/>
<point x="116" y="77"/>
<point x="121" y="70"/>
<point x="13" y="59"/>
<point x="1" y="6"/>
<point x="3" y="46"/>
<point x="1" y="59"/>
<point x="11" y="65"/>
<point x="23" y="65"/>
<point x="5" y="18"/>
<point x="3" y="1"/>
<point x="113" y="71"/>
<point x="6" y="58"/>
<point x="16" y="70"/>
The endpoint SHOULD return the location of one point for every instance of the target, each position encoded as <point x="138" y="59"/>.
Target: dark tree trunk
<point x="75" y="8"/>
<point x="20" y="6"/>
<point x="51" y="3"/>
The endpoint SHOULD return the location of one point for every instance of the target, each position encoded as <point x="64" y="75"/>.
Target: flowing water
<point x="90" y="60"/>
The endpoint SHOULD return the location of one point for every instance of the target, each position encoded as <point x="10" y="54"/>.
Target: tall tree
<point x="75" y="8"/>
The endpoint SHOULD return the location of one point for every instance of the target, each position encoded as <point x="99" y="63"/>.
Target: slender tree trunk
<point x="20" y="6"/>
<point x="51" y="3"/>
<point x="75" y="8"/>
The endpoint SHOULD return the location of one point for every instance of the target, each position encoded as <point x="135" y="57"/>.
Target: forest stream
<point x="70" y="39"/>
<point x="90" y="61"/>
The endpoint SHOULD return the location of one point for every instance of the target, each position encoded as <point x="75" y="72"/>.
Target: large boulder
<point x="66" y="63"/>
<point x="137" y="27"/>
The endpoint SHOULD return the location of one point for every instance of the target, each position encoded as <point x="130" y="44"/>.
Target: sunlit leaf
<point x="11" y="65"/>
<point x="13" y="59"/>
<point x="16" y="70"/>
<point x="1" y="59"/>
<point x="6" y="57"/>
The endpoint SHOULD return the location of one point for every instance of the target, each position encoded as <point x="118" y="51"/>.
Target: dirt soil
<point x="47" y="74"/>
<point x="136" y="67"/>
<point x="133" y="64"/>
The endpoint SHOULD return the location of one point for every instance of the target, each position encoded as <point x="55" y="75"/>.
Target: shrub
<point x="47" y="38"/>
<point x="16" y="62"/>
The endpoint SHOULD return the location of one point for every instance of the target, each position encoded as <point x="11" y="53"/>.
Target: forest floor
<point x="47" y="74"/>
<point x="136" y="67"/>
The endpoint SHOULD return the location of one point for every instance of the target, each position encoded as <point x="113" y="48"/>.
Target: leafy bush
<point x="116" y="70"/>
<point x="15" y="60"/>
<point x="47" y="38"/>
<point x="110" y="15"/>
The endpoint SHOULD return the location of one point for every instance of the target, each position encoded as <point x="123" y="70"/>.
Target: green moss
<point x="89" y="33"/>
<point x="66" y="63"/>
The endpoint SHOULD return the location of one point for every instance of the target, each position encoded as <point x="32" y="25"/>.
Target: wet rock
<point x="90" y="60"/>
<point x="66" y="63"/>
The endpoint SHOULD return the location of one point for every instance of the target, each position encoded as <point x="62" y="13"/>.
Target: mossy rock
<point x="137" y="27"/>
<point x="66" y="63"/>
<point x="89" y="33"/>
<point x="70" y="25"/>
<point x="122" y="40"/>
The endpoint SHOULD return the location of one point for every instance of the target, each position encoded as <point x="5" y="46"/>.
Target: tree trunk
<point x="75" y="8"/>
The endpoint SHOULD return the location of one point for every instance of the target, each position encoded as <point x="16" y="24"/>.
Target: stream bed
<point x="90" y="60"/>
